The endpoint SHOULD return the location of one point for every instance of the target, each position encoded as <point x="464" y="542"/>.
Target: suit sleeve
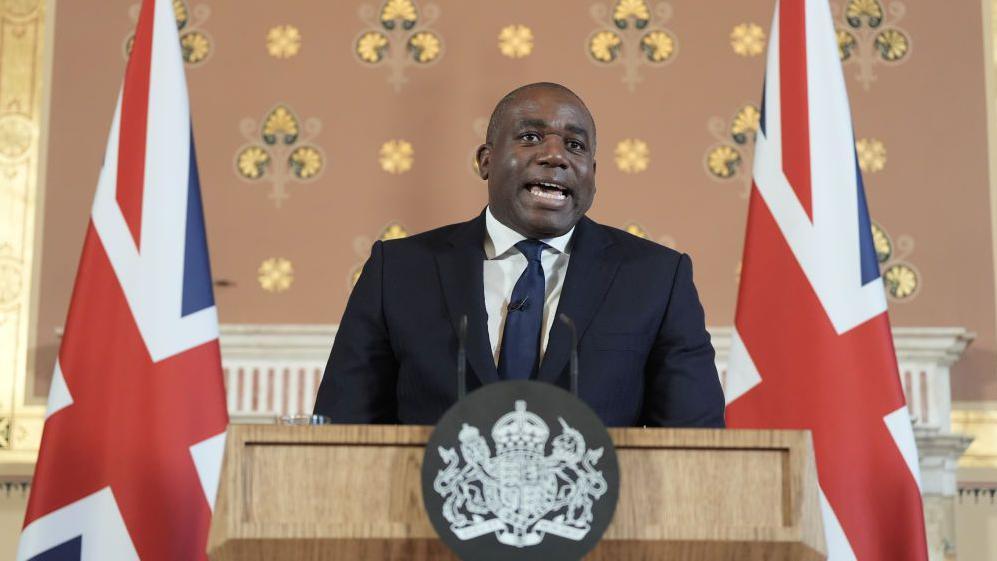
<point x="359" y="385"/>
<point x="683" y="389"/>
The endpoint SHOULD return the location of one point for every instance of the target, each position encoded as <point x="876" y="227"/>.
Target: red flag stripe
<point x="134" y="113"/>
<point x="793" y="99"/>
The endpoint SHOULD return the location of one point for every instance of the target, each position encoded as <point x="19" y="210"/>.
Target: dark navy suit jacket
<point x="645" y="356"/>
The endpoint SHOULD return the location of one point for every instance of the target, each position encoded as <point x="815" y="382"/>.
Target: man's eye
<point x="531" y="137"/>
<point x="575" y="145"/>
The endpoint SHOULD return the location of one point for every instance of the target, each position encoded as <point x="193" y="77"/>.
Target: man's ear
<point x="482" y="159"/>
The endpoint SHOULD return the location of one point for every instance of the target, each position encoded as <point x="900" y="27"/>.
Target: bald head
<point x="510" y="98"/>
<point x="539" y="160"/>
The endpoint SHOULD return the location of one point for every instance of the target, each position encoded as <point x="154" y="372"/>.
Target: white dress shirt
<point x="503" y="267"/>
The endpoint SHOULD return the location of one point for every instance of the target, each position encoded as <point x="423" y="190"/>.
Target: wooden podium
<point x="354" y="493"/>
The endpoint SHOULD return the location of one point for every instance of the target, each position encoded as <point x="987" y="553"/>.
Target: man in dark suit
<point x="644" y="353"/>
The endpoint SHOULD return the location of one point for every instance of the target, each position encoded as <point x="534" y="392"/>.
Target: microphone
<point x="573" y="365"/>
<point x="521" y="305"/>
<point x="462" y="357"/>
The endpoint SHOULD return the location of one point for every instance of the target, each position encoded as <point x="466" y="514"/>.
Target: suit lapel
<point x="461" y="276"/>
<point x="593" y="263"/>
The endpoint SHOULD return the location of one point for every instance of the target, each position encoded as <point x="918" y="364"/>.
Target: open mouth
<point x="548" y="190"/>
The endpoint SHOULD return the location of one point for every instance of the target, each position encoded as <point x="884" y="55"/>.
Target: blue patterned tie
<point x="520" y="354"/>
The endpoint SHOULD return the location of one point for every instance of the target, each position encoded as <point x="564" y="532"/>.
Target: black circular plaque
<point x="520" y="470"/>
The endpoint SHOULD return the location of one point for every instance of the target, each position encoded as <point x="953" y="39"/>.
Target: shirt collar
<point x="500" y="238"/>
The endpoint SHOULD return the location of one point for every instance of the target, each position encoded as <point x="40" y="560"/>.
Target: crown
<point x="520" y="431"/>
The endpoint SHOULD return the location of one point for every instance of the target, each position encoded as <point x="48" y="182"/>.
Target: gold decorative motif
<point x="901" y="279"/>
<point x="636" y="9"/>
<point x="17" y="133"/>
<point x="425" y="46"/>
<point x="194" y="47"/>
<point x="275" y="275"/>
<point x="892" y="45"/>
<point x="605" y="46"/>
<point x="745" y="124"/>
<point x="846" y="44"/>
<point x="869" y="10"/>
<point x="283" y="41"/>
<point x="4" y="433"/>
<point x="362" y="244"/>
<point x="180" y="13"/>
<point x="371" y="46"/>
<point x="723" y="161"/>
<point x="398" y="10"/>
<point x="195" y="42"/>
<point x="279" y="150"/>
<point x="747" y="39"/>
<point x="306" y="162"/>
<point x="872" y="154"/>
<point x="632" y="155"/>
<point x="515" y="41"/>
<point x="658" y="46"/>
<point x="280" y="125"/>
<point x="881" y="241"/>
<point x="730" y="157"/>
<point x="396" y="156"/>
<point x="631" y="35"/>
<point x="869" y="35"/>
<point x="253" y="162"/>
<point x="398" y="36"/>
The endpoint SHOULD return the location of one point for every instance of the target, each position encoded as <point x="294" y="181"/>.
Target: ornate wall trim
<point x="25" y="68"/>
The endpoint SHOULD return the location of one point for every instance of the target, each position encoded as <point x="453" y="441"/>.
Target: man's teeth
<point x="542" y="193"/>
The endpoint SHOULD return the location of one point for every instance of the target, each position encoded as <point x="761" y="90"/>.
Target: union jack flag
<point x="812" y="347"/>
<point x="135" y="428"/>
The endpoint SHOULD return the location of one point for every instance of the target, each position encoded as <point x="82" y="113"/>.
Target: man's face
<point x="540" y="166"/>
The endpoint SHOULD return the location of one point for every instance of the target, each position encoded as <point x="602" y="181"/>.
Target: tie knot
<point x="531" y="249"/>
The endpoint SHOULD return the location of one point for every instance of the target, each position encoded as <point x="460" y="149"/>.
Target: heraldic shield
<point x="497" y="482"/>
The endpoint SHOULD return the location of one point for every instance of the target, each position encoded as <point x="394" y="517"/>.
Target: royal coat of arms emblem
<point x="522" y="493"/>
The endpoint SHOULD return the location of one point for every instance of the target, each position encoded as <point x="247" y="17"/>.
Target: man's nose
<point x="552" y="152"/>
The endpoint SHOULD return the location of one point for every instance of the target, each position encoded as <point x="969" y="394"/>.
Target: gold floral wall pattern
<point x="196" y="44"/>
<point x="361" y="247"/>
<point x="900" y="277"/>
<point x="398" y="36"/>
<point x="631" y="35"/>
<point x="747" y="39"/>
<point x="869" y="35"/>
<point x="872" y="154"/>
<point x="279" y="150"/>
<point x="515" y="41"/>
<point x="632" y="155"/>
<point x="729" y="158"/>
<point x="275" y="275"/>
<point x="283" y="41"/>
<point x="396" y="156"/>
